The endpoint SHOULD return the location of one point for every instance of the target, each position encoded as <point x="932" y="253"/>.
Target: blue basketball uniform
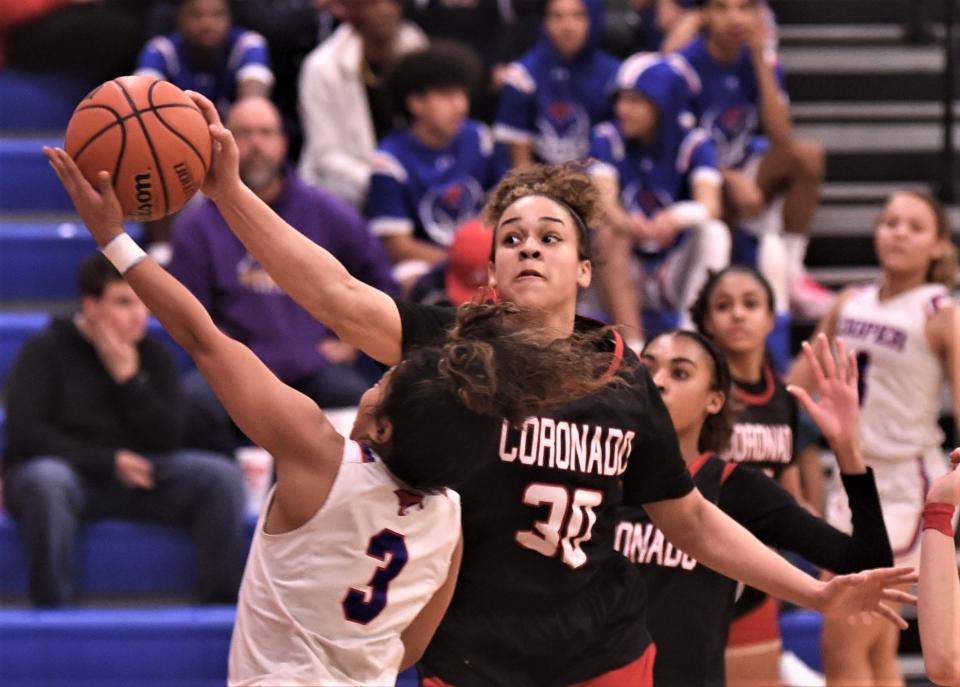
<point x="244" y="55"/>
<point x="727" y="103"/>
<point x="415" y="189"/>
<point x="552" y="103"/>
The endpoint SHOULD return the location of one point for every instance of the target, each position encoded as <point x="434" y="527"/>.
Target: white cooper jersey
<point x="901" y="378"/>
<point x="325" y="603"/>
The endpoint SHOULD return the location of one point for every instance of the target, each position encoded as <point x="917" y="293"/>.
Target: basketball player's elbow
<point x="943" y="664"/>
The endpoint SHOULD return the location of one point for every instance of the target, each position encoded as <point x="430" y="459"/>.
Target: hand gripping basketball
<point x="223" y="176"/>
<point x="99" y="207"/>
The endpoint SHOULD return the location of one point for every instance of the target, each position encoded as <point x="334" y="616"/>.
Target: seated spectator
<point x="742" y="103"/>
<point x="464" y="275"/>
<point x="344" y="105"/>
<point x="431" y="176"/>
<point x="209" y="55"/>
<point x="660" y="189"/>
<point x="664" y="25"/>
<point x="94" y="419"/>
<point x="242" y="298"/>
<point x="557" y="91"/>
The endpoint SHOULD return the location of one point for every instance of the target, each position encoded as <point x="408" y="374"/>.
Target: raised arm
<point x="359" y="314"/>
<point x="286" y="423"/>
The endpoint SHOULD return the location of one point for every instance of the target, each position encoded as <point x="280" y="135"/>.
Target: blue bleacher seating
<point x="38" y="101"/>
<point x="801" y="635"/>
<point x="39" y="260"/>
<point x="166" y="647"/>
<point x="115" y="557"/>
<point x="27" y="182"/>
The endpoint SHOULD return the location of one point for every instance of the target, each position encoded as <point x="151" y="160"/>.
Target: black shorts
<point x="600" y="629"/>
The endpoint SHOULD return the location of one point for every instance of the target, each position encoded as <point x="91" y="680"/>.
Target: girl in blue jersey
<point x="660" y="187"/>
<point x="691" y="606"/>
<point x="543" y="597"/>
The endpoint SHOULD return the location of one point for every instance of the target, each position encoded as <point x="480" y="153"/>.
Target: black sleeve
<point x="656" y="470"/>
<point x="424" y="324"/>
<point x="151" y="404"/>
<point x="32" y="426"/>
<point x="775" y="518"/>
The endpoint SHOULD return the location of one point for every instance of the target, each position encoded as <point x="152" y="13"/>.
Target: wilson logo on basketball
<point x="144" y="191"/>
<point x="187" y="181"/>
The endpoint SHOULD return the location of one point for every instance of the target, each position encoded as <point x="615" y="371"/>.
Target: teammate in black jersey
<point x="690" y="605"/>
<point x="543" y="598"/>
<point x="735" y="308"/>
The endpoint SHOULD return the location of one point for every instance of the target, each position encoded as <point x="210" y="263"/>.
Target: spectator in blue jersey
<point x="246" y="303"/>
<point x="742" y="102"/>
<point x="660" y="189"/>
<point x="561" y="88"/>
<point x="209" y="55"/>
<point x="432" y="175"/>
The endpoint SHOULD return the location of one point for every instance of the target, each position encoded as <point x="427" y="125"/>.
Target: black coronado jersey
<point x="690" y="605"/>
<point x="538" y="521"/>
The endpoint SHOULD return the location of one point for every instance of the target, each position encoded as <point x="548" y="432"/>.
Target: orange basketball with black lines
<point x="150" y="136"/>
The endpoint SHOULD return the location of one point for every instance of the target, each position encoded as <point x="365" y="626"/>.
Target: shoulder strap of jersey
<point x="617" y="356"/>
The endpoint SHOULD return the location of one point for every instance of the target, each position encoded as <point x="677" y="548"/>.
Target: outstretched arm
<point x="286" y="423"/>
<point x="938" y="607"/>
<point x="359" y="314"/>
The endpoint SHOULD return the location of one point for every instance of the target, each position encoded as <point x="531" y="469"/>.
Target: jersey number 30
<point x="362" y="607"/>
<point x="579" y="519"/>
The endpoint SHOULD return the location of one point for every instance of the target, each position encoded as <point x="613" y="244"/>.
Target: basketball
<point x="151" y="138"/>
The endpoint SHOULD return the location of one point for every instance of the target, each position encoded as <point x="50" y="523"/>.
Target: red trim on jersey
<point x="637" y="673"/>
<point x="617" y="356"/>
<point x="763" y="397"/>
<point x="759" y="626"/>
<point x="727" y="471"/>
<point x="699" y="462"/>
<point x="918" y="529"/>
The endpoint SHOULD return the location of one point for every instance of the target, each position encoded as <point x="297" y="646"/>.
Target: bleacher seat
<point x="39" y="260"/>
<point x="801" y="635"/>
<point x="116" y="557"/>
<point x="27" y="182"/>
<point x="36" y="102"/>
<point x="167" y="647"/>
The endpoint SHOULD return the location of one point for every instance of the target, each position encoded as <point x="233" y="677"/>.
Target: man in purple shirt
<point x="246" y="303"/>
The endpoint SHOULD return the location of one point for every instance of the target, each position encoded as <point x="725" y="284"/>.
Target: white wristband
<point x="690" y="213"/>
<point x="123" y="252"/>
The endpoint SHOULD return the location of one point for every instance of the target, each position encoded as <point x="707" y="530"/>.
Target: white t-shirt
<point x="325" y="603"/>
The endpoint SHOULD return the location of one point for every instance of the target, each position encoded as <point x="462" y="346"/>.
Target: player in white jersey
<point x="906" y="333"/>
<point x="356" y="552"/>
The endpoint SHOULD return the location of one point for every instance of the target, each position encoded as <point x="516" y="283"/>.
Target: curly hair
<point x="718" y="428"/>
<point x="447" y="404"/>
<point x="441" y="65"/>
<point x="567" y="184"/>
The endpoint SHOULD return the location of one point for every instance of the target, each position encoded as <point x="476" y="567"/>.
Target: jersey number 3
<point x="579" y="519"/>
<point x="362" y="607"/>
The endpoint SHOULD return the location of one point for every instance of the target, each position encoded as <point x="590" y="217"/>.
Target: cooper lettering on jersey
<point x="563" y="445"/>
<point x="756" y="443"/>
<point x="881" y="334"/>
<point x="144" y="191"/>
<point x="644" y="544"/>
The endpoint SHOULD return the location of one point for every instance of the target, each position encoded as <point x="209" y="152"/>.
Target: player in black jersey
<point x="690" y="605"/>
<point x="543" y="598"/>
<point x="735" y="308"/>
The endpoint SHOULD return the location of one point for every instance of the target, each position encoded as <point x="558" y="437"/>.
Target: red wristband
<point x="939" y="517"/>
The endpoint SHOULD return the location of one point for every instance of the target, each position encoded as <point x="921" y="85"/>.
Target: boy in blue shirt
<point x="742" y="102"/>
<point x="432" y="175"/>
<point x="660" y="189"/>
<point x="209" y="55"/>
